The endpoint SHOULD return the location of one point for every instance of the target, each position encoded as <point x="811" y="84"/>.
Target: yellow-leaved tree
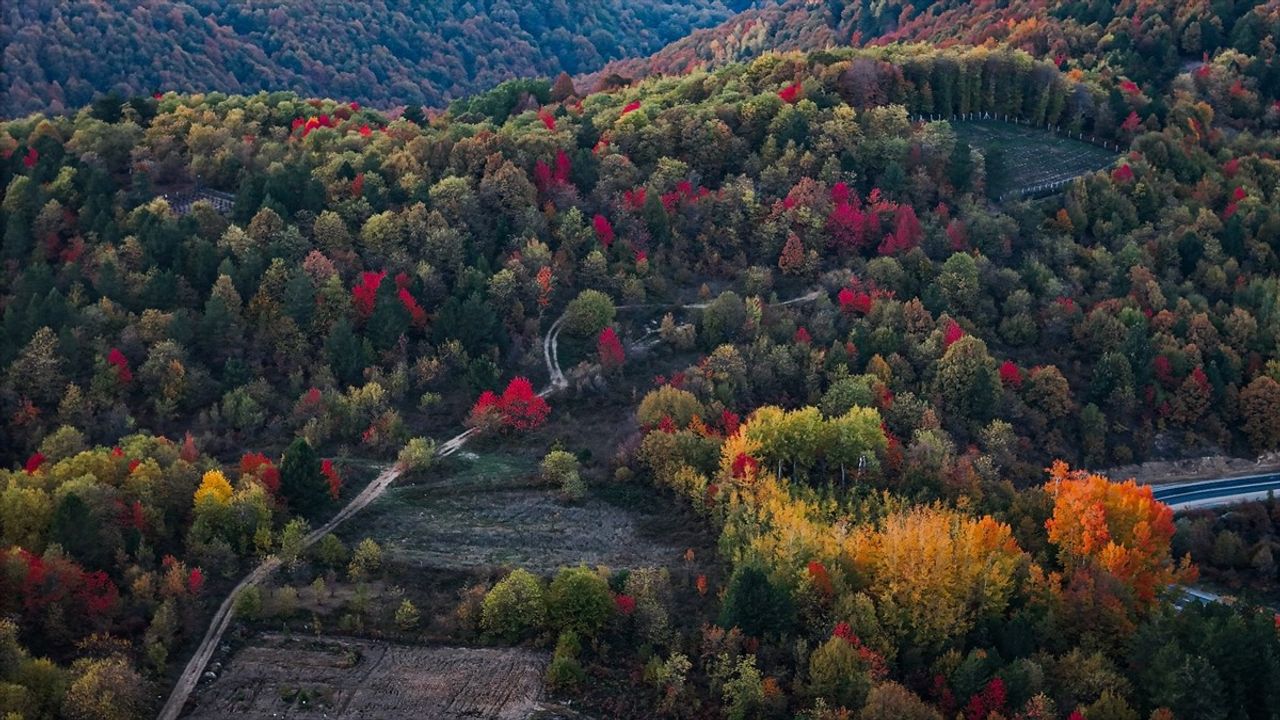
<point x="936" y="572"/>
<point x="213" y="488"/>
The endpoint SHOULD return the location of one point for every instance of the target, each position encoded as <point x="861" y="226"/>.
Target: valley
<point x="725" y="360"/>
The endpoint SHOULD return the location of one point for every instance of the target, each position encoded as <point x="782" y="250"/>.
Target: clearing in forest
<point x="314" y="677"/>
<point x="1020" y="158"/>
<point x="488" y="510"/>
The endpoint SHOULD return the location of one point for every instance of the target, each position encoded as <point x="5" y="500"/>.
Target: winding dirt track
<point x="221" y="620"/>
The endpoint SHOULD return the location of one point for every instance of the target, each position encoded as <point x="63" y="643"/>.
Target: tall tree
<point x="302" y="481"/>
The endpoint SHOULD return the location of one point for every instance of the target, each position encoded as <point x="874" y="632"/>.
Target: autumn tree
<point x="792" y="260"/>
<point x="609" y="350"/>
<point x="967" y="381"/>
<point x="38" y="372"/>
<point x="668" y="402"/>
<point x="517" y="408"/>
<point x="105" y="689"/>
<point x="1260" y="409"/>
<point x="943" y="572"/>
<point x="1120" y="527"/>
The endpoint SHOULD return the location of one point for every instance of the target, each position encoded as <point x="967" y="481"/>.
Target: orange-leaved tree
<point x="1120" y="527"/>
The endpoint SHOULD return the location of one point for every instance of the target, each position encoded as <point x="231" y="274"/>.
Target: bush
<point x="588" y="313"/>
<point x="669" y="677"/>
<point x="407" y="616"/>
<point x="560" y="468"/>
<point x="330" y="552"/>
<point x="578" y="601"/>
<point x="248" y="605"/>
<point x="365" y="561"/>
<point x="471" y="606"/>
<point x="515" y="607"/>
<point x="417" y="455"/>
<point x="557" y="465"/>
<point x="743" y="690"/>
<point x="574" y="488"/>
<point x="284" y="602"/>
<point x="650" y="588"/>
<point x="568" y="644"/>
<point x="565" y="673"/>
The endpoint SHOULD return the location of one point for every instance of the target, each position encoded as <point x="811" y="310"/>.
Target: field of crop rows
<point x="1024" y="160"/>
<point x="301" y="677"/>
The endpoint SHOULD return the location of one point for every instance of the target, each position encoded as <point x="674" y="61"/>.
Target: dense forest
<point x="1146" y="42"/>
<point x="58" y="55"/>
<point x="377" y="280"/>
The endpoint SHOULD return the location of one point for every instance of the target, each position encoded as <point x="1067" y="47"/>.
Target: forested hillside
<point x="175" y="377"/>
<point x="59" y="55"/>
<point x="1146" y="42"/>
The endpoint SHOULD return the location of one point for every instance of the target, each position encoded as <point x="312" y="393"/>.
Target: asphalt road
<point x="1206" y="493"/>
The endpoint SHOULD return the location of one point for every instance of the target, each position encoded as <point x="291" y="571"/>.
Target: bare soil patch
<point x="488" y="510"/>
<point x="298" y="677"/>
<point x="1157" y="472"/>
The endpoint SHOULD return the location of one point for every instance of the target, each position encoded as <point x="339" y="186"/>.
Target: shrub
<point x="578" y="600"/>
<point x="514" y="607"/>
<point x="471" y="606"/>
<point x="669" y="677"/>
<point x="417" y="455"/>
<point x="743" y="690"/>
<point x="565" y="673"/>
<point x="248" y="605"/>
<point x="574" y="488"/>
<point x="568" y="644"/>
<point x="560" y="468"/>
<point x="650" y="588"/>
<point x="407" y="616"/>
<point x="557" y="465"/>
<point x="330" y="552"/>
<point x="365" y="561"/>
<point x="284" y="602"/>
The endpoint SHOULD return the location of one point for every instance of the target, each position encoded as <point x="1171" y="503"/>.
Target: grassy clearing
<point x="1020" y="157"/>
<point x="488" y="509"/>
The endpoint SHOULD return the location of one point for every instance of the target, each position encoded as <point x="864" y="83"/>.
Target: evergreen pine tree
<point x="302" y="483"/>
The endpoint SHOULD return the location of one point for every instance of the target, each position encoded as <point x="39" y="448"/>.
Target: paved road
<point x="1220" y="491"/>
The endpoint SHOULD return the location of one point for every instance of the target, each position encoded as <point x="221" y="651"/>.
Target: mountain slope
<point x="1145" y="40"/>
<point x="59" y="55"/>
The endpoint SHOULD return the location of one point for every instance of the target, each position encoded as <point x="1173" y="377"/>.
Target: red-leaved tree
<point x="609" y="348"/>
<point x="332" y="477"/>
<point x="604" y="230"/>
<point x="518" y="408"/>
<point x="365" y="292"/>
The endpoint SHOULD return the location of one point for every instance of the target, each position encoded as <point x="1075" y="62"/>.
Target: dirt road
<point x="221" y="620"/>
